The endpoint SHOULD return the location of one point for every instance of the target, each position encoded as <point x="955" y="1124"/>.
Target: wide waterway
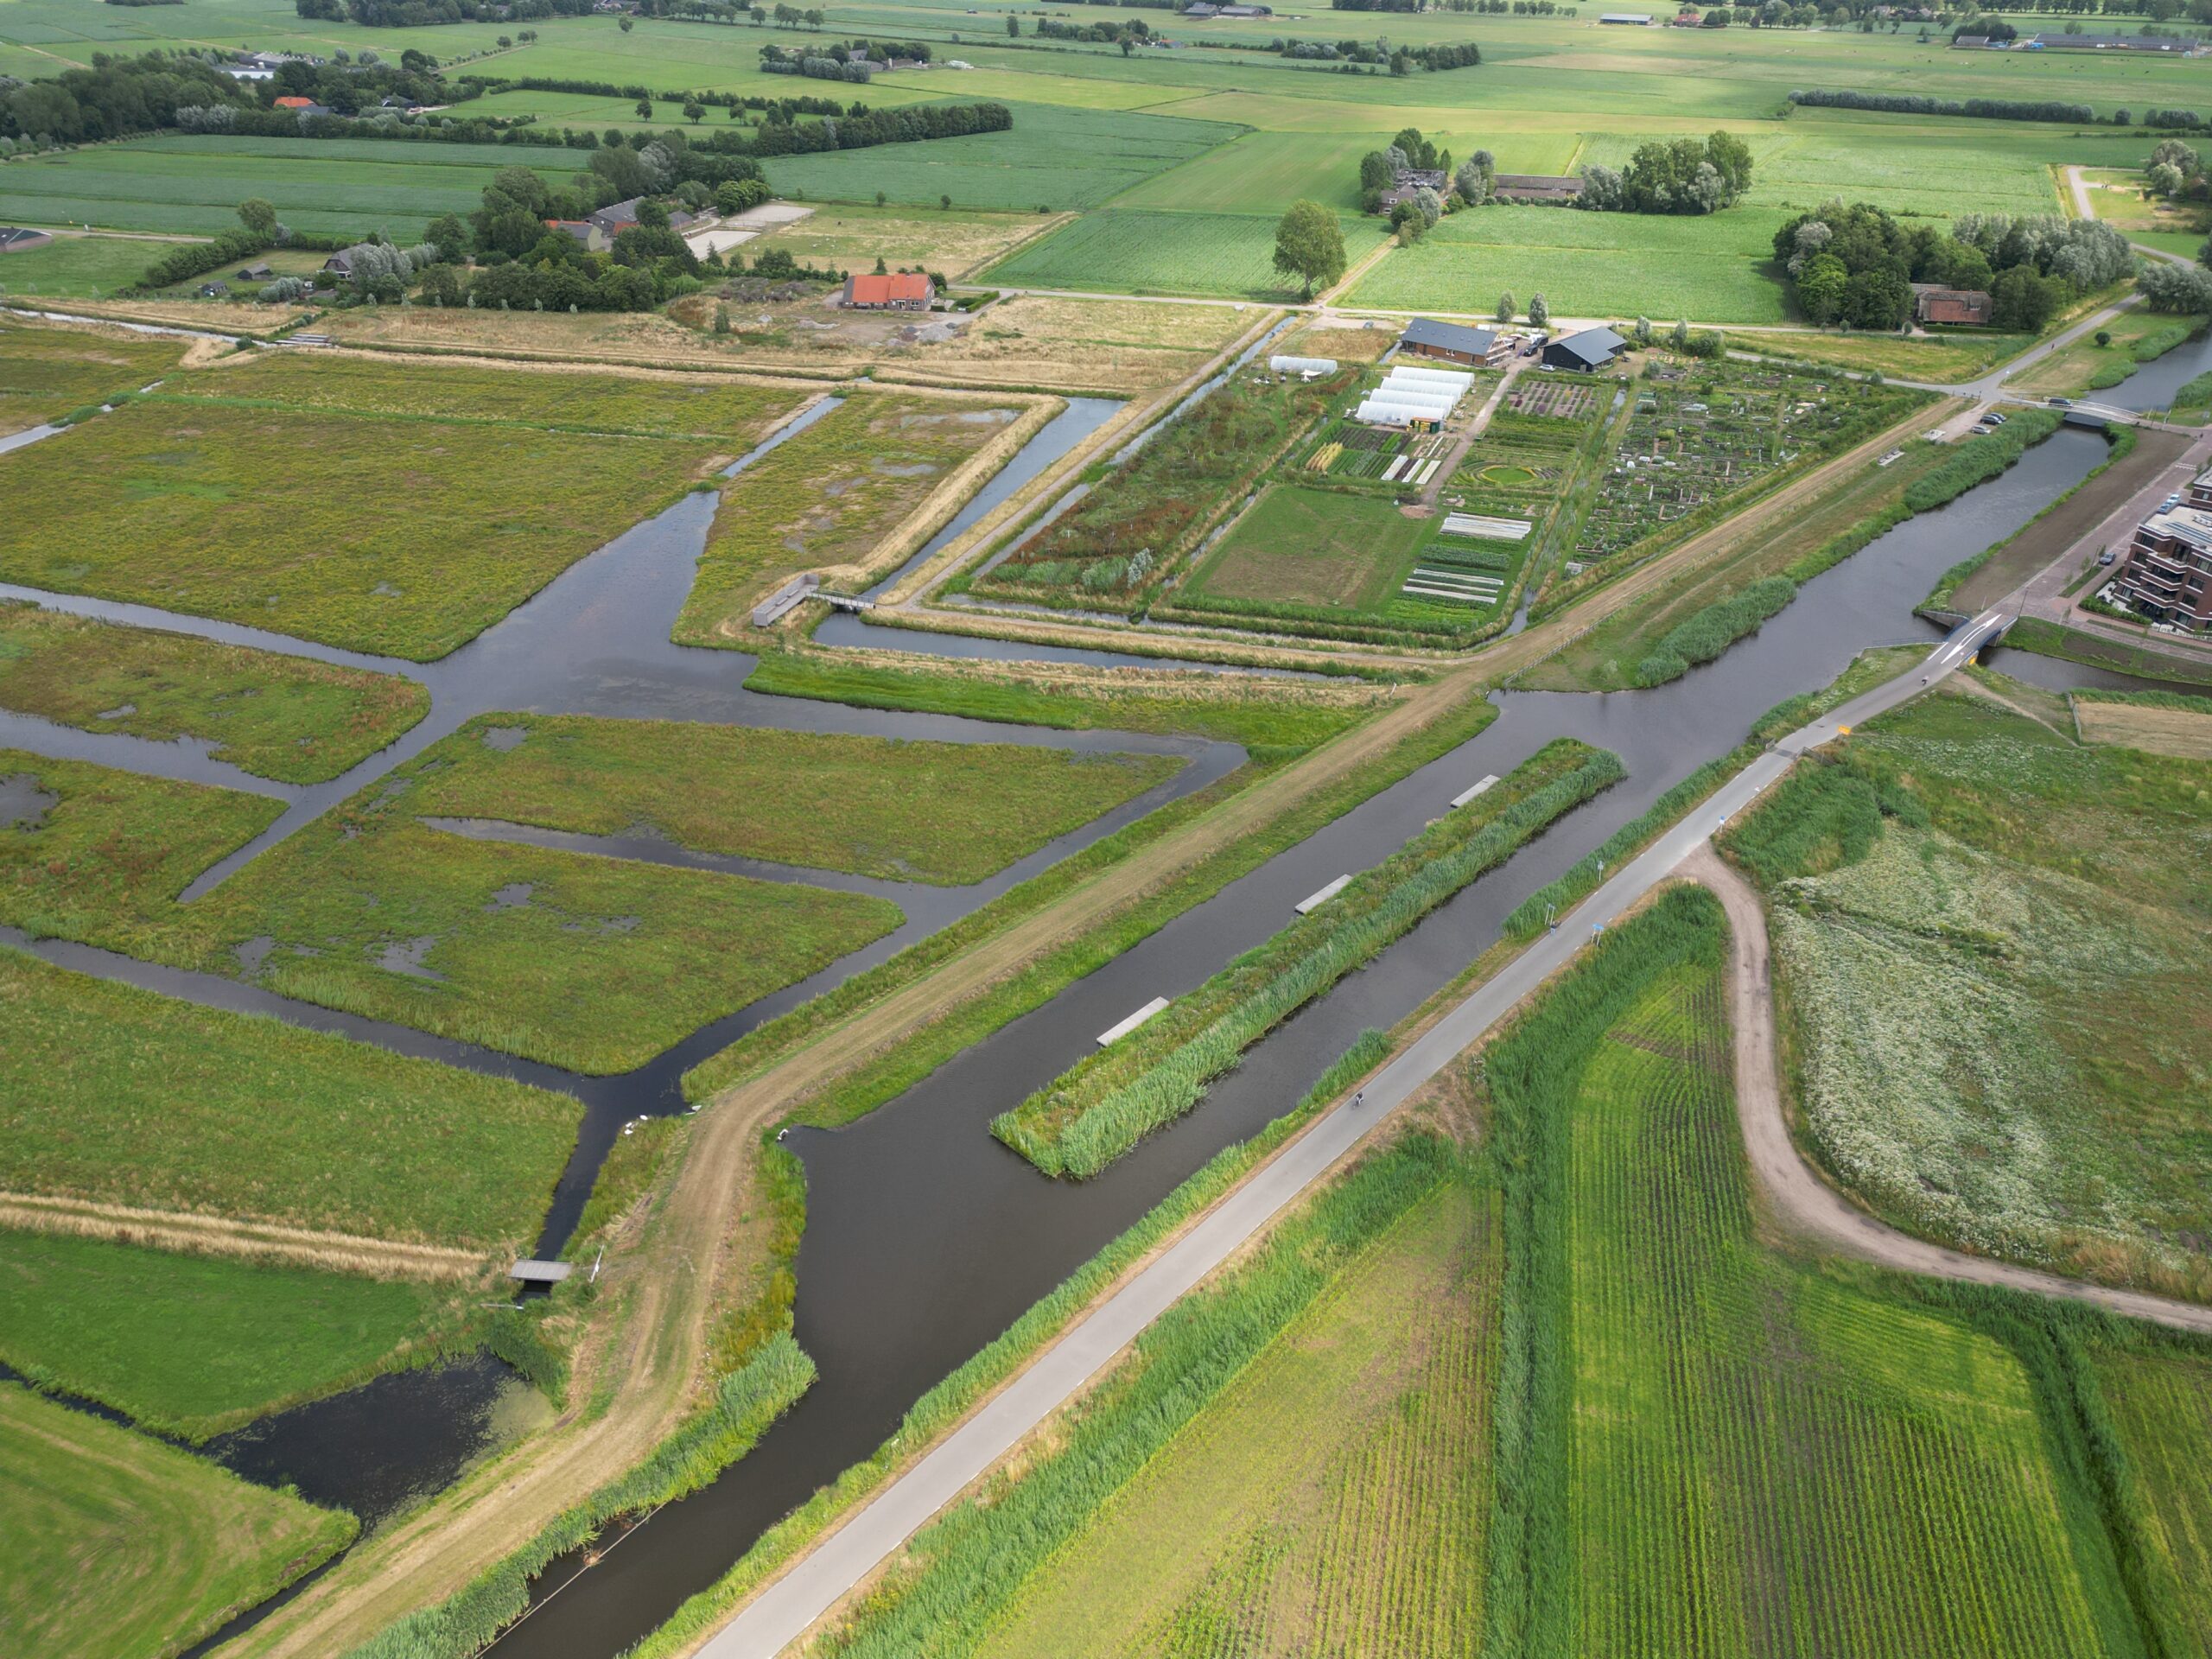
<point x="926" y="1237"/>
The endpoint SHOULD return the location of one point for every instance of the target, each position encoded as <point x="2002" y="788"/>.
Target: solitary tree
<point x="628" y="23"/>
<point x="1505" y="306"/>
<point x="693" y="109"/>
<point x="259" y="217"/>
<point x="880" y="197"/>
<point x="1013" y="26"/>
<point x="645" y="109"/>
<point x="1678" y="336"/>
<point x="1310" y="246"/>
<point x="1540" y="310"/>
<point x="946" y="202"/>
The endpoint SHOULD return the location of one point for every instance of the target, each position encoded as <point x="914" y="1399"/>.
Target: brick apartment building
<point x="2168" y="576"/>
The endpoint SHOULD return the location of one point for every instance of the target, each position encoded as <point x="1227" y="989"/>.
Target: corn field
<point x="1703" y="1449"/>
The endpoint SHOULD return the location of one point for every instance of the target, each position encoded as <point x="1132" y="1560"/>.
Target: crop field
<point x="193" y="183"/>
<point x="950" y="813"/>
<point x="194" y="1344"/>
<point x="1602" y="266"/>
<point x="1973" y="913"/>
<point x="93" y="853"/>
<point x="730" y="414"/>
<point x="1311" y="548"/>
<point x="308" y="522"/>
<point x="287" y="718"/>
<point x="1127" y="251"/>
<point x="2162" y="1406"/>
<point x="830" y="497"/>
<point x="1703" y="433"/>
<point x="1717" y="1453"/>
<point x="1293" y="1461"/>
<point x="46" y="373"/>
<point x="1138" y="520"/>
<point x="117" y="1544"/>
<point x="122" y="1097"/>
<point x="1055" y="159"/>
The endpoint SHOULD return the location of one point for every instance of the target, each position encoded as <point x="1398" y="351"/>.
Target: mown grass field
<point x="1603" y="266"/>
<point x="1972" y="913"/>
<point x="840" y="235"/>
<point x="85" y="265"/>
<point x="117" y="1544"/>
<point x="950" y="813"/>
<point x="46" y="373"/>
<point x="827" y="497"/>
<point x="1703" y="1449"/>
<point x="1943" y="360"/>
<point x="1128" y="251"/>
<point x="194" y="1345"/>
<point x="287" y="718"/>
<point x="1055" y="158"/>
<point x="310" y="522"/>
<point x="123" y="1096"/>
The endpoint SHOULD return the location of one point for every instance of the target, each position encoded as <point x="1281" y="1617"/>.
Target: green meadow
<point x="120" y="1095"/>
<point x="950" y="813"/>
<point x="118" y="1544"/>
<point x="194" y="1344"/>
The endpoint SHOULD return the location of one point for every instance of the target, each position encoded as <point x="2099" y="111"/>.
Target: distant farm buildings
<point x="1932" y="303"/>
<point x="1591" y="350"/>
<point x="13" y="238"/>
<point x="1635" y="19"/>
<point x="1452" y="342"/>
<point x="900" y="290"/>
<point x="1409" y="182"/>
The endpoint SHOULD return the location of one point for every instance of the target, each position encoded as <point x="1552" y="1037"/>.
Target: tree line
<point x="1989" y="109"/>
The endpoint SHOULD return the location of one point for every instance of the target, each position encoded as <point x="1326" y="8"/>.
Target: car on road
<point x="2061" y="403"/>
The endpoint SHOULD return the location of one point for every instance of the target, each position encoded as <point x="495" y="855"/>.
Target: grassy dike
<point x="1099" y="1109"/>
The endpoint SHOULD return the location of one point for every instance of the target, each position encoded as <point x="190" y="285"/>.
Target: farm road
<point x="1797" y="1193"/>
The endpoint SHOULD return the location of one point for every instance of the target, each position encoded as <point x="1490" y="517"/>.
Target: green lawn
<point x="86" y="266"/>
<point x="194" y="1345"/>
<point x="123" y="1096"/>
<point x="1126" y="251"/>
<point x="287" y="718"/>
<point x="48" y="373"/>
<point x="1967" y="980"/>
<point x="121" y="1548"/>
<point x="830" y="495"/>
<point x="2137" y="336"/>
<point x="311" y="523"/>
<point x="950" y="813"/>
<point x="1598" y="265"/>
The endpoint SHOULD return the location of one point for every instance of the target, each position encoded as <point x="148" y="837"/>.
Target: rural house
<point x="1452" y="342"/>
<point x="898" y="291"/>
<point x="1932" y="303"/>
<point x="616" y="217"/>
<point x="1591" y="349"/>
<point x="586" y="234"/>
<point x="1408" y="181"/>
<point x="341" y="262"/>
<point x="255" y="273"/>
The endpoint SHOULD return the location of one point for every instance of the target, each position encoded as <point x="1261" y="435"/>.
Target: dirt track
<point x="1797" y="1195"/>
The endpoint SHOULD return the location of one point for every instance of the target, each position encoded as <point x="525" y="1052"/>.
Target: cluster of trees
<point x="1516" y="8"/>
<point x="1125" y="34"/>
<point x="1681" y="176"/>
<point x="421" y="14"/>
<point x="814" y="65"/>
<point x="2182" y="289"/>
<point x="779" y="108"/>
<point x="1993" y="109"/>
<point x="2176" y="171"/>
<point x="1408" y="152"/>
<point x="1376" y="5"/>
<point x="1855" y="264"/>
